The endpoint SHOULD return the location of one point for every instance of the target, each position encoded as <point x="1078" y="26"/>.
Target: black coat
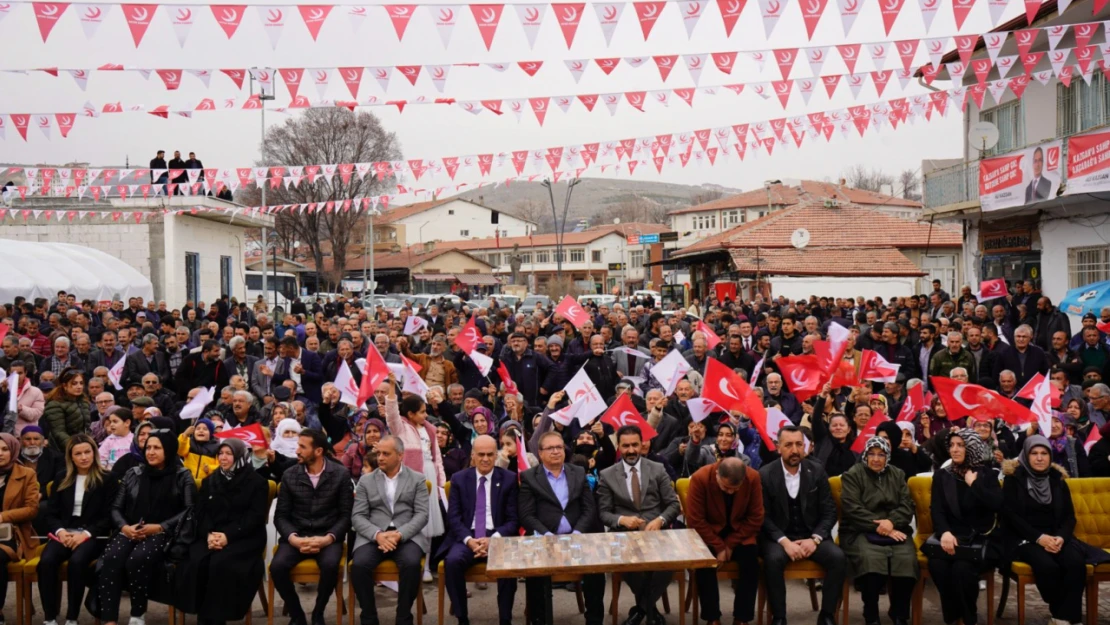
<point x="95" y="507"/>
<point x="220" y="585"/>
<point x="136" y="366"/>
<point x="1018" y="506"/>
<point x="1035" y="362"/>
<point x="125" y="502"/>
<point x="540" y="510"/>
<point x="818" y="506"/>
<point x="951" y="512"/>
<point x="315" y="511"/>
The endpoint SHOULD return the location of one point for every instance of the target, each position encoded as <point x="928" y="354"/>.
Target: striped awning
<point x="434" y="277"/>
<point x="478" y="279"/>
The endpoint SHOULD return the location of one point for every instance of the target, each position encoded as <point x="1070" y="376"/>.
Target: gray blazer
<point x="621" y="360"/>
<point x="371" y="513"/>
<point x="657" y="496"/>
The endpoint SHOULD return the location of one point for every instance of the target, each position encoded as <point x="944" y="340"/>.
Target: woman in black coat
<point x="1040" y="526"/>
<point x="966" y="499"/>
<point x="78" y="520"/>
<point x="224" y="567"/>
<point x="833" y="441"/>
<point x="147" y="509"/>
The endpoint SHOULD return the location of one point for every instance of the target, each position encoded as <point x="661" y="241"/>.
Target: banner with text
<point x="1089" y="163"/>
<point x="1023" y="177"/>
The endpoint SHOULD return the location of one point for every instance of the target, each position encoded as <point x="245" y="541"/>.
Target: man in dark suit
<point x="1025" y="359"/>
<point x="799" y="514"/>
<point x="1039" y="187"/>
<point x="107" y="356"/>
<point x="482" y="505"/>
<point x="303" y="367"/>
<point x="203" y="368"/>
<point x="556" y="499"/>
<point x="636" y="494"/>
<point x="312" y="517"/>
<point x="149" y="359"/>
<point x="390" y="512"/>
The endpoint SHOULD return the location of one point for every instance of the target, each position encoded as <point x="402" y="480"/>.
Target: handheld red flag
<point x="376" y="372"/>
<point x="711" y="337"/>
<point x="868" y="431"/>
<point x="249" y="434"/>
<point x="802" y="374"/>
<point x="1030" y="389"/>
<point x="503" y="372"/>
<point x="875" y="368"/>
<point x="571" y="311"/>
<point x="622" y="413"/>
<point x="468" y="337"/>
<point x="915" y="403"/>
<point x="961" y="400"/>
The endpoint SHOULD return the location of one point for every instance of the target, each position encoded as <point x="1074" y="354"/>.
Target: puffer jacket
<point x="65" y="419"/>
<point x="127" y="496"/>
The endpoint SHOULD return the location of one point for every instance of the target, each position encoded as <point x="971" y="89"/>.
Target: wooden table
<point x="610" y="552"/>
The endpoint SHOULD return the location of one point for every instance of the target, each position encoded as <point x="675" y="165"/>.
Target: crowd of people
<point x="103" y="456"/>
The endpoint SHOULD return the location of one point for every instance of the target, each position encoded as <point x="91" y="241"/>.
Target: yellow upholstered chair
<point x="1091" y="500"/>
<point x="921" y="489"/>
<point x="837" y="489"/>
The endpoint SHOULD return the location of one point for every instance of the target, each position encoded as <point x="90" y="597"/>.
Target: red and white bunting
<point x="691" y="14"/>
<point x="812" y="10"/>
<point x="272" y="19"/>
<point x="91" y="17"/>
<point x="228" y="17"/>
<point x="568" y="15"/>
<point x="771" y="11"/>
<point x="730" y="12"/>
<point x="313" y="17"/>
<point x="928" y="12"/>
<point x="445" y="17"/>
<point x="608" y="14"/>
<point x="960" y="9"/>
<point x="181" y="19"/>
<point x="849" y="11"/>
<point x="890" y="10"/>
<point x="648" y="13"/>
<point x="487" y="17"/>
<point x="399" y="16"/>
<point x="531" y="18"/>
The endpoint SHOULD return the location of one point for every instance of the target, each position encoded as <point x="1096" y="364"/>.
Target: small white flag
<point x="195" y="408"/>
<point x="700" y="408"/>
<point x="670" y="370"/>
<point x="116" y="372"/>
<point x="345" y="382"/>
<point x="414" y="324"/>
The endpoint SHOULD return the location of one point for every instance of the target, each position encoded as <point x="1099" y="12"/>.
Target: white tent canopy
<point x="43" y="269"/>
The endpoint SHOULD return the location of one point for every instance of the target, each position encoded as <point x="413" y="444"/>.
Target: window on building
<point x="595" y="256"/>
<point x="559" y="256"/>
<point x="504" y="233"/>
<point x="526" y="258"/>
<point x="464" y="233"/>
<point x="636" y="259"/>
<point x="1010" y="119"/>
<point x="543" y="257"/>
<point x="494" y="259"/>
<point x="450" y="211"/>
<point x="192" y="276"/>
<point x="578" y="255"/>
<point x="225" y="276"/>
<point x="1087" y="265"/>
<point x="940" y="267"/>
<point x="1081" y="106"/>
<point x="732" y="218"/>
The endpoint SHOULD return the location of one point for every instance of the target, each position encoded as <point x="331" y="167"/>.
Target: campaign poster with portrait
<point x="1089" y="163"/>
<point x="1027" y="176"/>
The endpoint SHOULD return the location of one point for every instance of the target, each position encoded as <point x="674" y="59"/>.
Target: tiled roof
<point x="397" y="213"/>
<point x="786" y="195"/>
<point x="388" y="260"/>
<point x="830" y="227"/>
<point x="825" y="261"/>
<point x="547" y="240"/>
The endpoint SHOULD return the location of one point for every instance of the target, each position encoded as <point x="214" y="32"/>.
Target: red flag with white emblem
<point x="875" y="368"/>
<point x="914" y="404"/>
<point x="469" y="337"/>
<point x="249" y="434"/>
<point x="728" y="390"/>
<point x="869" y="431"/>
<point x="648" y="14"/>
<point x="802" y="374"/>
<point x="623" y="413"/>
<point x="990" y="289"/>
<point x="376" y="372"/>
<point x="711" y="337"/>
<point x="138" y="18"/>
<point x="572" y="311"/>
<point x="487" y="16"/>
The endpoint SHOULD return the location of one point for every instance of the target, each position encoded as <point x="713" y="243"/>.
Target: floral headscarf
<point x="976" y="452"/>
<point x="873" y="442"/>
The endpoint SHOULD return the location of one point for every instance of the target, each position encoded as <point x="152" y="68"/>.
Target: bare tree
<point x="860" y="177"/>
<point x="533" y="211"/>
<point x="706" y="196"/>
<point x="911" y="184"/>
<point x="326" y="135"/>
<point x="636" y="209"/>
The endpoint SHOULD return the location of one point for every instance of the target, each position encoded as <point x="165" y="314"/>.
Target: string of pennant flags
<point x="879" y="53"/>
<point x="641" y="100"/>
<point x="701" y="146"/>
<point x="486" y="18"/>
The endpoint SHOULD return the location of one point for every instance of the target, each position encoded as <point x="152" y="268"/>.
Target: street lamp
<point x="573" y="182"/>
<point x="369" y="255"/>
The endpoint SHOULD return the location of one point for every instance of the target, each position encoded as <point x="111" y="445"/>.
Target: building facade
<point x="448" y="219"/>
<point x="1063" y="242"/>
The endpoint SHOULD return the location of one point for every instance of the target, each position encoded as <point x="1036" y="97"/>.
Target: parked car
<point x="529" y="302"/>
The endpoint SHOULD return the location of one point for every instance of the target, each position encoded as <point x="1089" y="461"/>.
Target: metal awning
<point x="434" y="277"/>
<point x="478" y="279"/>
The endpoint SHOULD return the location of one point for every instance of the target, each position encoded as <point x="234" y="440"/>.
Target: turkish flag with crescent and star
<point x="249" y="434"/>
<point x="469" y="337"/>
<point x="961" y="399"/>
<point x="572" y="311"/>
<point x="622" y="413"/>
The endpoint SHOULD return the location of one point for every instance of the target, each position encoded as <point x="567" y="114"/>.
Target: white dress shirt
<point x="390" y="489"/>
<point x="793" y="481"/>
<point x="489" y="502"/>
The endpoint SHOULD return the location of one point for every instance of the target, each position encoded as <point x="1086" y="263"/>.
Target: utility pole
<point x="264" y="97"/>
<point x="559" y="227"/>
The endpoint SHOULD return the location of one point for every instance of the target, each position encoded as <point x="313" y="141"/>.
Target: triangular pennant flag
<point x="849" y="11"/>
<point x="1032" y="7"/>
<point x="665" y="65"/>
<point x="691" y="14"/>
<point x="399" y="16"/>
<point x="356" y="15"/>
<point x="576" y="68"/>
<point x="960" y="9"/>
<point x="138" y="18"/>
<point x="907" y="50"/>
<point x="487" y="17"/>
<point x="568" y="16"/>
<point x="531" y="18"/>
<point x="878" y="55"/>
<point x="890" y="10"/>
<point x="91" y="17"/>
<point x="170" y="77"/>
<point x="445" y="17"/>
<point x="273" y="23"/>
<point x="850" y="54"/>
<point x="730" y="12"/>
<point x="608" y="14"/>
<point x="928" y="11"/>
<point x="81" y="77"/>
<point x="785" y="59"/>
<point x="724" y="61"/>
<point x="228" y="17"/>
<point x="1083" y="33"/>
<point x="965" y="46"/>
<point x="181" y="18"/>
<point x="695" y="63"/>
<point x="47" y="15"/>
<point x="812" y="10"/>
<point x="607" y="65"/>
<point x="771" y="11"/>
<point x="352" y="77"/>
<point x="292" y="77"/>
<point x="438" y="74"/>
<point x="1005" y="64"/>
<point x="314" y="16"/>
<point x="410" y="72"/>
<point x="1055" y="34"/>
<point x="648" y="14"/>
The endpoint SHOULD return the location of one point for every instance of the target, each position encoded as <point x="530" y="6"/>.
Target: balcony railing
<point x="952" y="185"/>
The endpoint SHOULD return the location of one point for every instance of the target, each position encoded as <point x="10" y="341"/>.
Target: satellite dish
<point x="800" y="238"/>
<point x="982" y="136"/>
<point x="616" y="221"/>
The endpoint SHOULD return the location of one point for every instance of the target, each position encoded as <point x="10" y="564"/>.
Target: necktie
<point x="480" y="510"/>
<point x="631" y="364"/>
<point x="635" y="488"/>
<point x="747" y="344"/>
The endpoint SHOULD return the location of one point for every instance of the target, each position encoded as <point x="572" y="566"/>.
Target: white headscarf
<point x="286" y="446"/>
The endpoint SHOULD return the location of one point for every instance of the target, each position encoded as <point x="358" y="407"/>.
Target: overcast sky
<point x="231" y="138"/>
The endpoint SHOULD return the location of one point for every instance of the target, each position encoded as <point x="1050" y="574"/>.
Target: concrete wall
<point x="125" y="240"/>
<point x="438" y="224"/>
<point x="451" y="262"/>
<point x="211" y="240"/>
<point x="1089" y="228"/>
<point x="803" y="287"/>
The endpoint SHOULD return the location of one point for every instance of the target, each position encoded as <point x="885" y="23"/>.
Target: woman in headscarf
<point x="77" y="513"/>
<point x="875" y="532"/>
<point x="408" y="420"/>
<point x="361" y="455"/>
<point x="19" y="492"/>
<point x="1067" y="452"/>
<point x="197" y="447"/>
<point x="224" y="567"/>
<point x="904" y="452"/>
<point x="481" y="422"/>
<point x="150" y="503"/>
<point x="132" y="459"/>
<point x="966" y="499"/>
<point x="1040" y="521"/>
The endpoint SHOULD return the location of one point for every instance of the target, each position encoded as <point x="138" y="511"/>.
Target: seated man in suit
<point x="482" y="505"/>
<point x="312" y="517"/>
<point x="555" y="498"/>
<point x="797" y="525"/>
<point x="725" y="507"/>
<point x="390" y="512"/>
<point x="636" y="494"/>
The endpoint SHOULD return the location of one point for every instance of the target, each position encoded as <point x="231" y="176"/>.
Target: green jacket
<point x="945" y="361"/>
<point x="63" y="420"/>
<point x="867" y="497"/>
